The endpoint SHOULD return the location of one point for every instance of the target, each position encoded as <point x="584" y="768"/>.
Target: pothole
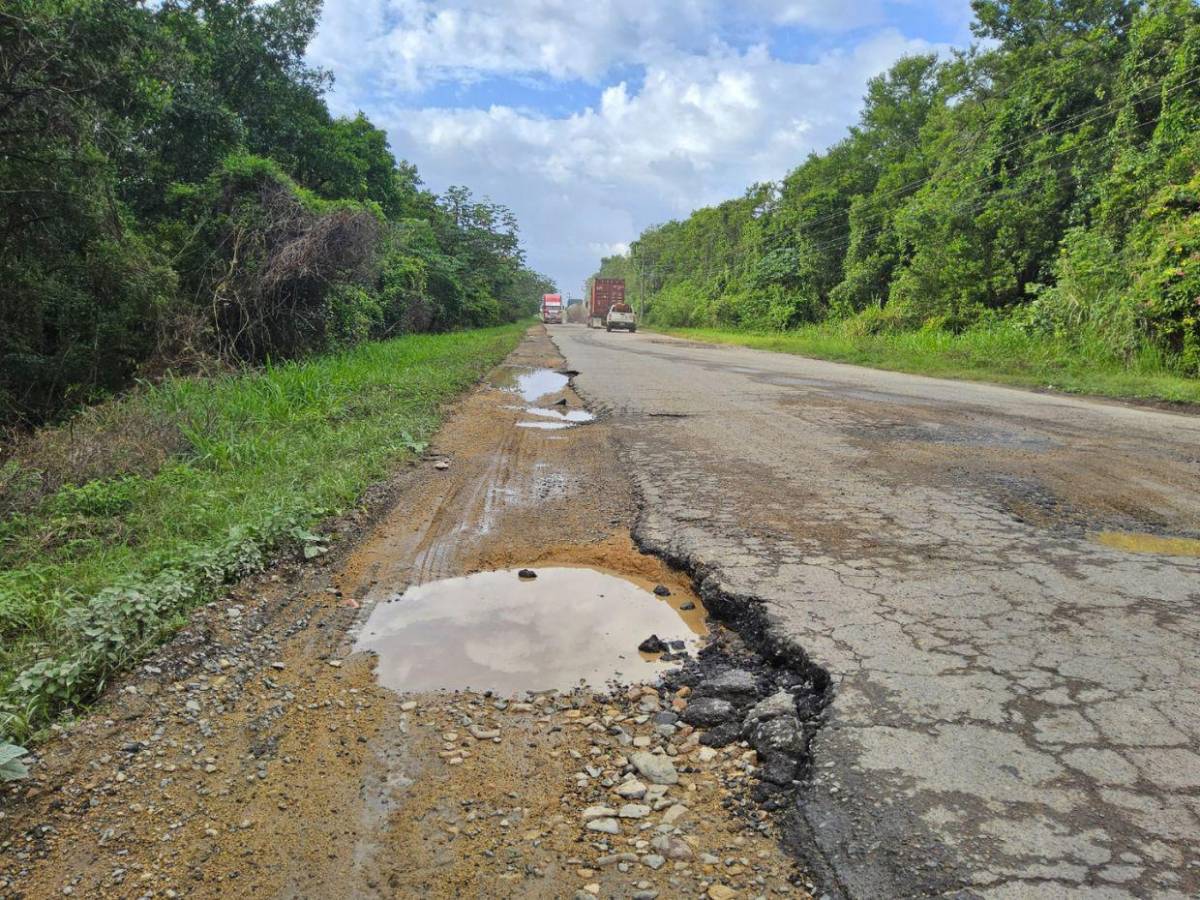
<point x="532" y="384"/>
<point x="493" y="631"/>
<point x="571" y="416"/>
<point x="545" y="426"/>
<point x="553" y="420"/>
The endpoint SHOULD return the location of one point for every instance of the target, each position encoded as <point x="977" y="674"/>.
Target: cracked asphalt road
<point x="980" y="569"/>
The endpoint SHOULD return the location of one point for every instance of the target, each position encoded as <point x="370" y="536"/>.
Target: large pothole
<point x="494" y="631"/>
<point x="530" y="382"/>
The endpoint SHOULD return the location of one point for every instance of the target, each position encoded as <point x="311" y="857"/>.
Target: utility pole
<point x="641" y="285"/>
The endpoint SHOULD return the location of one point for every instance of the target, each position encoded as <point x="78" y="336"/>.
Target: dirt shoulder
<point x="256" y="755"/>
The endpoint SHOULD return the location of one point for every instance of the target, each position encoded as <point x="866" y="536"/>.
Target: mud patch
<point x="494" y="631"/>
<point x="545" y="426"/>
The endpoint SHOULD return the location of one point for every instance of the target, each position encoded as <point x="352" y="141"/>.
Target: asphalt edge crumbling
<point x="746" y="617"/>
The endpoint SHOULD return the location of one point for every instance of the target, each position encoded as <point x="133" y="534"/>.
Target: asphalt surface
<point x="1000" y="583"/>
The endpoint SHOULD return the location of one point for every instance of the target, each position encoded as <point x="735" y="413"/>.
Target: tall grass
<point x="998" y="352"/>
<point x="264" y="455"/>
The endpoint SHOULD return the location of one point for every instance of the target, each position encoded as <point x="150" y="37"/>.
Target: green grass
<point x="92" y="576"/>
<point x="1002" y="354"/>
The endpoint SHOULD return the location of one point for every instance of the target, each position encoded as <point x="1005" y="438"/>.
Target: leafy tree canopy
<point x="173" y="188"/>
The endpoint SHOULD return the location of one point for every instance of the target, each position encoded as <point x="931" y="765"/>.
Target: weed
<point x="11" y="767"/>
<point x="993" y="351"/>
<point x="95" y="573"/>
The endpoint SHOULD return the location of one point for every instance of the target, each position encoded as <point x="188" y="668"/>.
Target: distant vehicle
<point x="605" y="293"/>
<point x="552" y="309"/>
<point x="620" y="315"/>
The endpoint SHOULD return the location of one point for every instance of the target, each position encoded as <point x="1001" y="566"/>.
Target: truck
<point x="620" y="315"/>
<point x="605" y="294"/>
<point x="552" y="309"/>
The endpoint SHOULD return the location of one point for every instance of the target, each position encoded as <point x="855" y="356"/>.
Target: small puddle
<point x="531" y="384"/>
<point x="495" y="631"/>
<point x="573" y="416"/>
<point x="545" y="426"/>
<point x="1133" y="542"/>
<point x="557" y="419"/>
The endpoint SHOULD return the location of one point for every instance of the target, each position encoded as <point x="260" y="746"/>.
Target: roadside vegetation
<point x="119" y="521"/>
<point x="181" y="214"/>
<point x="176" y="196"/>
<point x="994" y="352"/>
<point x="1026" y="210"/>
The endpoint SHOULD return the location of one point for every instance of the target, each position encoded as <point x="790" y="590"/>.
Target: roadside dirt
<point x="255" y="755"/>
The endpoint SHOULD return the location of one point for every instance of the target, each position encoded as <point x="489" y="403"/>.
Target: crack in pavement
<point x="1016" y="707"/>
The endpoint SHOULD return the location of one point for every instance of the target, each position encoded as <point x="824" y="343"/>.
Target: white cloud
<point x="834" y="15"/>
<point x="618" y="248"/>
<point x="412" y="44"/>
<point x="706" y="120"/>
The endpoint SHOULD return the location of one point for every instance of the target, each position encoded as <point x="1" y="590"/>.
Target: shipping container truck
<point x="552" y="309"/>
<point x="605" y="293"/>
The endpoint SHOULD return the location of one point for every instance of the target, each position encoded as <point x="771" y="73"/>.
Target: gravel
<point x="656" y="769"/>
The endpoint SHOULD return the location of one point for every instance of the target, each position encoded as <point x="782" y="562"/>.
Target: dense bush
<point x="1048" y="178"/>
<point x="173" y="189"/>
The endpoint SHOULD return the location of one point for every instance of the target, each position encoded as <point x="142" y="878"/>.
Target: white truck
<point x="620" y="316"/>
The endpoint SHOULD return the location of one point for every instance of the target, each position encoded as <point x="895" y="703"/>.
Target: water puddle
<point x="1133" y="542"/>
<point x="559" y="420"/>
<point x="534" y="384"/>
<point x="531" y="384"/>
<point x="572" y="416"/>
<point x="496" y="631"/>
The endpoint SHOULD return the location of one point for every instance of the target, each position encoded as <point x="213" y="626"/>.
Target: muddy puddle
<point x="532" y="384"/>
<point x="553" y="420"/>
<point x="572" y="416"/>
<point x="494" y="631"/>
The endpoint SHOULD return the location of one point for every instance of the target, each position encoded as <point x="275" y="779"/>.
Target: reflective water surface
<point x="495" y="631"/>
<point x="531" y="384"/>
<point x="573" y="416"/>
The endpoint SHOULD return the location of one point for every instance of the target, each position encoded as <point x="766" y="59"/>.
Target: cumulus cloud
<point x="703" y="119"/>
<point x="412" y="44"/>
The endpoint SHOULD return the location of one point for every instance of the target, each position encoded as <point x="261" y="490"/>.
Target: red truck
<point x="552" y="309"/>
<point x="605" y="294"/>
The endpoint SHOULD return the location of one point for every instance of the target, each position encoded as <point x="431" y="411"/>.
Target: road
<point x="1000" y="582"/>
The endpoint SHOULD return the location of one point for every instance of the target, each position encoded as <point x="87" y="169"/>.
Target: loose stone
<point x="657" y="769"/>
<point x="598" y="812"/>
<point x="631" y="790"/>
<point x="708" y="711"/>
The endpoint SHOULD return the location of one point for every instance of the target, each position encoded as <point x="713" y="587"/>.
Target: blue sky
<point x="594" y="119"/>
